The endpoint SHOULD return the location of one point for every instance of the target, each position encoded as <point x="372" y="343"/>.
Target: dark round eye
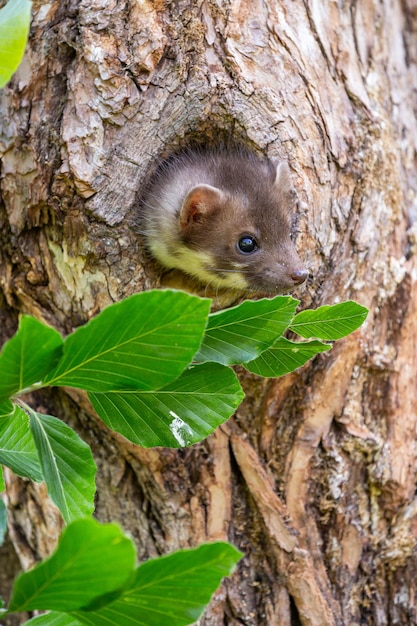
<point x="247" y="244"/>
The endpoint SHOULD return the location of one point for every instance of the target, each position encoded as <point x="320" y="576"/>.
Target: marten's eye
<point x="247" y="244"/>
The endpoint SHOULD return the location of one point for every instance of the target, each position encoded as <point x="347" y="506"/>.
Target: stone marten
<point x="223" y="218"/>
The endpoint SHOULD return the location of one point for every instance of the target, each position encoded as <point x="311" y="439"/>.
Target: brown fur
<point x="201" y="204"/>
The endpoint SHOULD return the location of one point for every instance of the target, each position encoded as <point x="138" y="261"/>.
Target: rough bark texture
<point x="314" y="478"/>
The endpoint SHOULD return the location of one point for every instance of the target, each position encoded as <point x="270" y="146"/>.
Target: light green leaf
<point x="240" y="334"/>
<point x="67" y="463"/>
<point x="28" y="356"/>
<point x="17" y="448"/>
<point x="3" y="520"/>
<point x="54" y="619"/>
<point x="284" y="357"/>
<point x="2" y="485"/>
<point x="143" y="342"/>
<point x="182" y="413"/>
<point x="92" y="560"/>
<point x="14" y="30"/>
<point x="330" y="322"/>
<point x="169" y="591"/>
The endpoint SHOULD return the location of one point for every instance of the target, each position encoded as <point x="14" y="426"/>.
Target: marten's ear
<point x="283" y="183"/>
<point x="282" y="175"/>
<point x="200" y="202"/>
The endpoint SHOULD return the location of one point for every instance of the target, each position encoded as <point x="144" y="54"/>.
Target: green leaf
<point x="54" y="619"/>
<point x="17" y="448"/>
<point x="14" y="30"/>
<point x="182" y="413"/>
<point x="28" y="356"/>
<point x="330" y="322"/>
<point x="143" y="342"/>
<point x="240" y="334"/>
<point x="284" y="357"/>
<point x="67" y="463"/>
<point x="169" y="591"/>
<point x="2" y="485"/>
<point x="91" y="560"/>
<point x="6" y="408"/>
<point x="3" y="521"/>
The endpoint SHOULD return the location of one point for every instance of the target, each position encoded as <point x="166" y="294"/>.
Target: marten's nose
<point x="299" y="276"/>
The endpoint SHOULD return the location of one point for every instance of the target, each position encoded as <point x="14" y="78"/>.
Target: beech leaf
<point x="142" y="342"/>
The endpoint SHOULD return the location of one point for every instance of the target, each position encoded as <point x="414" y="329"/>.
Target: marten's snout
<point x="299" y="276"/>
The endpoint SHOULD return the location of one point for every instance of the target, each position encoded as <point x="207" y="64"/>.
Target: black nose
<point x="299" y="276"/>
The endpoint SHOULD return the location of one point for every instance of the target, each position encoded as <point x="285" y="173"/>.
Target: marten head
<point x="225" y="219"/>
<point x="239" y="230"/>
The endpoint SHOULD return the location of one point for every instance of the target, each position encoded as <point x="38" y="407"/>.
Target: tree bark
<point x="314" y="477"/>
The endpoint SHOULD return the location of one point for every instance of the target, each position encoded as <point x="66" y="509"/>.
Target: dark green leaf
<point x="54" y="619"/>
<point x="169" y="591"/>
<point x="17" y="448"/>
<point x="14" y="29"/>
<point x="240" y="334"/>
<point x="182" y="413"/>
<point x="143" y="342"/>
<point x="6" y="408"/>
<point x="330" y="322"/>
<point x="68" y="466"/>
<point x="284" y="357"/>
<point x="33" y="351"/>
<point x="91" y="560"/>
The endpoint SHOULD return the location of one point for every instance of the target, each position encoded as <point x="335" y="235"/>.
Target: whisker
<point x="216" y="268"/>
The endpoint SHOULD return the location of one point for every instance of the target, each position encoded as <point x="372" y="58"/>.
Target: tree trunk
<point x="314" y="477"/>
